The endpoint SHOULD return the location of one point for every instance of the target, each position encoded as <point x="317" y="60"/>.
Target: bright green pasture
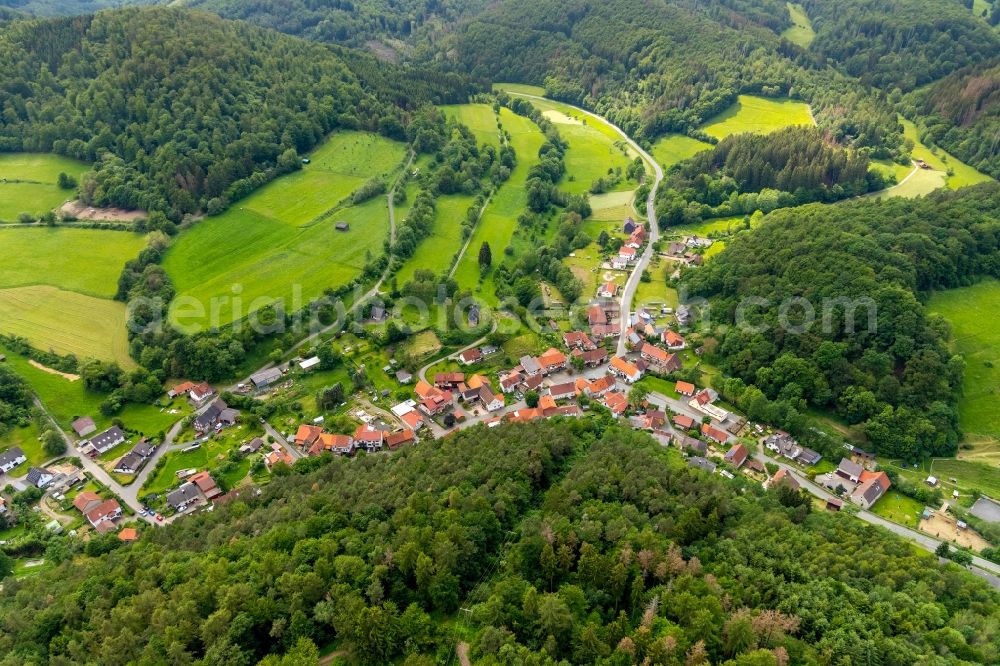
<point x="66" y="322"/>
<point x="38" y="191"/>
<point x="270" y="246"/>
<point x="801" y="32"/>
<point x="673" y="148"/>
<point x="479" y="118"/>
<point x="916" y="183"/>
<point x="972" y="313"/>
<point x="614" y="206"/>
<point x="67" y="400"/>
<point x="521" y="88"/>
<point x="899" y="508"/>
<point x="499" y="222"/>
<point x="436" y="251"/>
<point x="940" y="160"/>
<point x="26" y="439"/>
<point x="88" y="261"/>
<point x="760" y="115"/>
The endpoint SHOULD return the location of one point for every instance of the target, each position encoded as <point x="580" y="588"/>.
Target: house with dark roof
<point x="130" y="463"/>
<point x="490" y="400"/>
<point x="265" y="378"/>
<point x="685" y="443"/>
<point x="850" y="470"/>
<point x="530" y="366"/>
<point x="871" y="487"/>
<point x="703" y="464"/>
<point x="185" y="495"/>
<point x="108" y="439"/>
<point x="210" y="417"/>
<point x="39" y="477"/>
<point x="11" y="458"/>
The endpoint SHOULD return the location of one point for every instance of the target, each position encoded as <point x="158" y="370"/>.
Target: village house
<point x="217" y="415"/>
<point x="782" y="443"/>
<point x="397" y="439"/>
<point x="342" y="445"/>
<point x="39" y="477"/>
<point x="448" y="380"/>
<point x="684" y="388"/>
<point x="183" y="496"/>
<point x="403" y="377"/>
<point x="684" y="421"/>
<point x="83" y="426"/>
<point x="130" y="463"/>
<point x="864" y="458"/>
<point x="565" y="391"/>
<point x="607" y="290"/>
<point x="102" y="516"/>
<point x="552" y="360"/>
<point x="625" y="370"/>
<point x="199" y="393"/>
<point x="651" y="420"/>
<point x="510" y="382"/>
<point x="849" y="470"/>
<point x="470" y="356"/>
<point x="714" y="434"/>
<point x="578" y="340"/>
<point x="369" y="438"/>
<point x="206" y="485"/>
<point x="735" y="456"/>
<point x="661" y="359"/>
<point x="107" y="440"/>
<point x="782" y="477"/>
<point x="432" y="399"/>
<point x="596" y="316"/>
<point x="703" y="402"/>
<point x="306" y="436"/>
<point x="86" y="500"/>
<point x="676" y="249"/>
<point x="491" y="401"/>
<point x="546" y="402"/>
<point x="617" y="402"/>
<point x="629" y="225"/>
<point x="684" y="315"/>
<point x="690" y="444"/>
<point x="530" y="366"/>
<point x="600" y="386"/>
<point x="871" y="487"/>
<point x="413" y="420"/>
<point x="592" y="357"/>
<point x="253" y="446"/>
<point x="11" y="458"/>
<point x="674" y="340"/>
<point x="261" y="380"/>
<point x="703" y="464"/>
<point x="277" y="456"/>
<point x="602" y="331"/>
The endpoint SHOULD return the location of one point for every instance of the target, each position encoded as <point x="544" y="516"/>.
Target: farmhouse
<point x="616" y="402"/>
<point x="180" y="389"/>
<point x="444" y="380"/>
<point x="627" y="254"/>
<point x="607" y="290"/>
<point x="432" y="399"/>
<point x="108" y="439"/>
<point x="339" y="444"/>
<point x="624" y="369"/>
<point x="307" y="435"/>
<point x="684" y="421"/>
<point x="596" y="316"/>
<point x="602" y="331"/>
<point x="674" y="340"/>
<point x="277" y="456"/>
<point x="508" y="384"/>
<point x="491" y="401"/>
<point x="592" y="357"/>
<point x="566" y="391"/>
<point x="265" y="378"/>
<point x="599" y="387"/>
<point x="715" y="434"/>
<point x="870" y="489"/>
<point x="470" y="356"/>
<point x="530" y="366"/>
<point x="86" y="500"/>
<point x="663" y="360"/>
<point x="629" y="225"/>
<point x="369" y="438"/>
<point x="11" y="458"/>
<point x="736" y="456"/>
<point x="83" y="426"/>
<point x="552" y="360"/>
<point x="702" y="401"/>
<point x="578" y="340"/>
<point x="398" y="439"/>
<point x="849" y="470"/>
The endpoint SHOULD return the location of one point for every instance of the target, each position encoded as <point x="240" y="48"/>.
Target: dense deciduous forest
<point x="899" y="43"/>
<point x="961" y="113"/>
<point x="897" y="378"/>
<point x="749" y="172"/>
<point x="177" y="108"/>
<point x="568" y="540"/>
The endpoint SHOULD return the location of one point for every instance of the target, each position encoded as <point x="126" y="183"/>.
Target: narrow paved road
<point x="980" y="567"/>
<point x="422" y="373"/>
<point x="628" y="294"/>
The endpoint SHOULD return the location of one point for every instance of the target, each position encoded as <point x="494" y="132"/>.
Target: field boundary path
<point x="472" y="232"/>
<point x="628" y="294"/>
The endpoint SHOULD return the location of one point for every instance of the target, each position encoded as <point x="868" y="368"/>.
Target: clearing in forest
<point x="29" y="183"/>
<point x="66" y="322"/>
<point x="281" y="243"/>
<point x="674" y="148"/>
<point x="760" y="115"/>
<point x="971" y="311"/>
<point x="801" y="32"/>
<point x="479" y="118"/>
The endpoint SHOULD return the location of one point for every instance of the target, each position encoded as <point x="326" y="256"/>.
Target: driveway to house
<point x="980" y="567"/>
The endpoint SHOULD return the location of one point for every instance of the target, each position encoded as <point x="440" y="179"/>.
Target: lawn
<point x="801" y="32"/>
<point x="970" y="310"/>
<point x="614" y="206"/>
<point x="479" y="118"/>
<point x="673" y="148"/>
<point x="499" y="221"/>
<point x="68" y="400"/>
<point x="760" y="115"/>
<point x="940" y="160"/>
<point x="28" y="183"/>
<point x="923" y="181"/>
<point x="899" y="508"/>
<point x="88" y="261"/>
<point x="66" y="322"/>
<point x="272" y="247"/>
<point x="208" y="455"/>
<point x="27" y="439"/>
<point x="969" y="475"/>
<point x="719" y="226"/>
<point x="436" y="252"/>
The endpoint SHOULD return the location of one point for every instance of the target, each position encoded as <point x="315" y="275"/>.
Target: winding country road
<point x="628" y="294"/>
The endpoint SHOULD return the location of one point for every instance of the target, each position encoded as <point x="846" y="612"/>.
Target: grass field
<point x="27" y="439"/>
<point x="613" y="206"/>
<point x="436" y="251"/>
<point x="758" y="114"/>
<point x="479" y="118"/>
<point x="66" y="322"/>
<point x="522" y="88"/>
<point x="207" y="455"/>
<point x="68" y="400"/>
<point x="971" y="312"/>
<point x="923" y="181"/>
<point x="673" y="148"/>
<point x="499" y="222"/>
<point x="270" y="247"/>
<point x="87" y="261"/>
<point x="899" y="508"/>
<point x="801" y="32"/>
<point x="888" y="167"/>
<point x="941" y="160"/>
<point x="38" y="191"/>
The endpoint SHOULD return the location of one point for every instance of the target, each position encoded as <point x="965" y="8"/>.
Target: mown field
<point x="87" y="261"/>
<point x="271" y="246"/>
<point x="758" y="114"/>
<point x="673" y="148"/>
<point x="436" y="251"/>
<point x="499" y="221"/>
<point x="972" y="313"/>
<point x="66" y="322"/>
<point x="67" y="400"/>
<point x="479" y="118"/>
<point x="801" y="32"/>
<point x="940" y="160"/>
<point x="28" y="183"/>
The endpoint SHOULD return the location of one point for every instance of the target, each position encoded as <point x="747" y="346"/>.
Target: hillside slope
<point x="567" y="540"/>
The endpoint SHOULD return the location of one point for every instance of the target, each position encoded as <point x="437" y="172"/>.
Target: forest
<point x="569" y="541"/>
<point x="106" y="89"/>
<point x="795" y="285"/>
<point x="745" y="173"/>
<point x="961" y="113"/>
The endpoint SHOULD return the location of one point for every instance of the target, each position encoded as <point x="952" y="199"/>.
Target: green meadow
<point x="67" y="400"/>
<point x="972" y="312"/>
<point x="801" y="32"/>
<point x="940" y="160"/>
<point x="499" y="221"/>
<point x="673" y="148"/>
<point x="435" y="252"/>
<point x="758" y="114"/>
<point x="66" y="322"/>
<point x="28" y="183"/>
<point x="521" y="88"/>
<point x="88" y="261"/>
<point x="479" y="118"/>
<point x="272" y="246"/>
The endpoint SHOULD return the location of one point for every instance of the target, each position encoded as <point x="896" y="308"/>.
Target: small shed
<point x="343" y="226"/>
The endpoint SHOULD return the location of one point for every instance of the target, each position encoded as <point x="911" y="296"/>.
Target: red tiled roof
<point x="684" y="388"/>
